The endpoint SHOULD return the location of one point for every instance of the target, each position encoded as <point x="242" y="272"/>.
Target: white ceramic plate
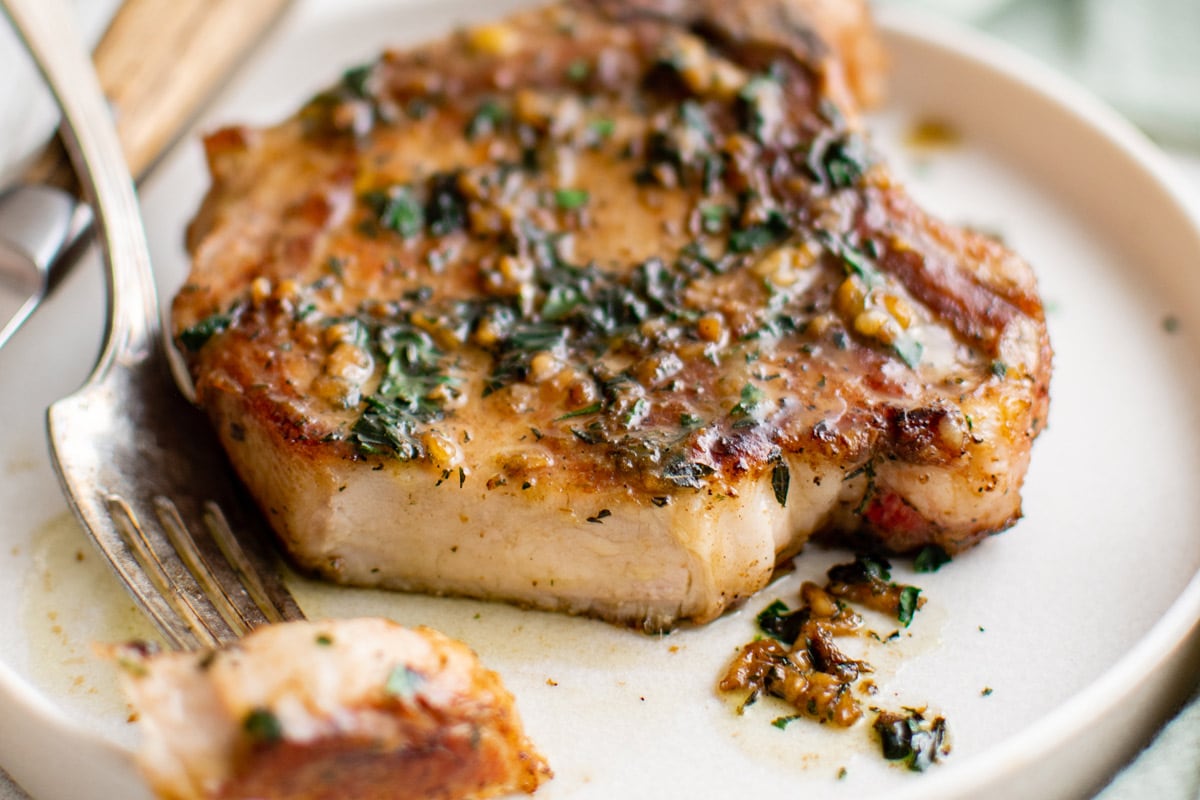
<point x="1079" y="619"/>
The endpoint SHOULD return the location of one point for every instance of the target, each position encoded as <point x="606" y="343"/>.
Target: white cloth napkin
<point x="1169" y="768"/>
<point x="9" y="790"/>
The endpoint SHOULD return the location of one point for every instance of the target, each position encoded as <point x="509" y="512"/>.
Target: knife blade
<point x="159" y="63"/>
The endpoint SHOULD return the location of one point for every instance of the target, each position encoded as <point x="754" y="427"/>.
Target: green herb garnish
<point x="864" y="569"/>
<point x="781" y="478"/>
<point x="560" y="301"/>
<point x="446" y="210"/>
<point x="764" y="234"/>
<point x="602" y="128"/>
<point x="909" y="350"/>
<point x="780" y="622"/>
<point x="197" y="336"/>
<point x="635" y="413"/>
<point x="261" y="725"/>
<point x="712" y="218"/>
<point x="578" y="70"/>
<point x="403" y="403"/>
<point x="570" y="199"/>
<point x="753" y="100"/>
<point x="911" y="739"/>
<point x="838" y="161"/>
<point x="751" y="400"/>
<point x="908" y="606"/>
<point x="594" y="408"/>
<point x="931" y="558"/>
<point x="397" y="209"/>
<point x="486" y="120"/>
<point x="356" y="79"/>
<point x="687" y="474"/>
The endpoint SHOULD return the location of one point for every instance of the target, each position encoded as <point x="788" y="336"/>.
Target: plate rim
<point x="1179" y="626"/>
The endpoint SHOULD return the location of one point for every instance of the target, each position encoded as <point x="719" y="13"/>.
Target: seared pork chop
<point x="605" y="308"/>
<point x="357" y="709"/>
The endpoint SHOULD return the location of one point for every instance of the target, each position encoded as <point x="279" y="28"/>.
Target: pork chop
<point x="606" y="308"/>
<point x="359" y="708"/>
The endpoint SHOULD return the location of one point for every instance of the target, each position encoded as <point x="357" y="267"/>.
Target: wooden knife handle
<point x="158" y="63"/>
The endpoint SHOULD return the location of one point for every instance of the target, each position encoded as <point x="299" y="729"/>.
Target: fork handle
<point x="158" y="62"/>
<point x="50" y="32"/>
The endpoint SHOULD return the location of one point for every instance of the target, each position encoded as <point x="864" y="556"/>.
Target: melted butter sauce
<point x="74" y="602"/>
<point x="931" y="134"/>
<point x="634" y="690"/>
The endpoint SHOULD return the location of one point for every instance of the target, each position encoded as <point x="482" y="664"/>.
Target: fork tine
<point x="238" y="580"/>
<point x="161" y="502"/>
<point x="260" y="581"/>
<point x="222" y="597"/>
<point x="141" y="565"/>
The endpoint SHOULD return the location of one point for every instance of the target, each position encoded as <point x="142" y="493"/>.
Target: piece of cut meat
<point x="356" y="708"/>
<point x="606" y="308"/>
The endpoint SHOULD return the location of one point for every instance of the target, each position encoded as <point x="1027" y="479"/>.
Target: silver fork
<point x="137" y="461"/>
<point x="156" y="92"/>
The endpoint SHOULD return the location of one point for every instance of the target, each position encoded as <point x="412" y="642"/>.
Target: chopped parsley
<point x="486" y="120"/>
<point x="635" y="413"/>
<point x="571" y="199"/>
<point x="397" y="209"/>
<point x="864" y="569"/>
<point x="931" y="558"/>
<point x="838" y="160"/>
<point x="686" y="474"/>
<point x="855" y="262"/>
<point x="446" y="210"/>
<point x="912" y="739"/>
<point x="781" y="478"/>
<point x="756" y="237"/>
<point x="909" y="349"/>
<point x="594" y="408"/>
<point x="355" y="81"/>
<point x="712" y="218"/>
<point x="908" y="606"/>
<point x="602" y="128"/>
<point x="755" y="101"/>
<point x="578" y="70"/>
<point x="262" y="726"/>
<point x="780" y="622"/>
<point x="750" y="404"/>
<point x="197" y="336"/>
<point x="404" y="400"/>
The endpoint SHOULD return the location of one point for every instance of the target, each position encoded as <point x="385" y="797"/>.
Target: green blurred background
<point x="1141" y="56"/>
